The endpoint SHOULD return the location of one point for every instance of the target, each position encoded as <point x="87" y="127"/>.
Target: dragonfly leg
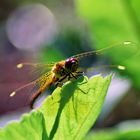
<point x="74" y="76"/>
<point x="79" y="72"/>
<point x="69" y="77"/>
<point x="59" y="82"/>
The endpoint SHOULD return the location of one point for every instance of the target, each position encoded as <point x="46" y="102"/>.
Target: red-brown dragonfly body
<point x="66" y="69"/>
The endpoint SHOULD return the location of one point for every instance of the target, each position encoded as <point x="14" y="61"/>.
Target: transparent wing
<point x="25" y="93"/>
<point x="112" y="57"/>
<point x="106" y="59"/>
<point x="35" y="69"/>
<point x="35" y="65"/>
<point x="119" y="51"/>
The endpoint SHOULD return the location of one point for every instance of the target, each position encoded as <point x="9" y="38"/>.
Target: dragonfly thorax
<point x="63" y="68"/>
<point x="59" y="69"/>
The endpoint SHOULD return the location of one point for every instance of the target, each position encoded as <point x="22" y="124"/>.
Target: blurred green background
<point x="49" y="31"/>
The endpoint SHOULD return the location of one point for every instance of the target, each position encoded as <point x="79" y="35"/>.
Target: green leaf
<point x="72" y="110"/>
<point x="103" y="135"/>
<point x="31" y="127"/>
<point x="66" y="114"/>
<point x="114" y="134"/>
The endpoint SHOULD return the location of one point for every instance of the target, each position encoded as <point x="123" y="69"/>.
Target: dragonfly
<point x="60" y="72"/>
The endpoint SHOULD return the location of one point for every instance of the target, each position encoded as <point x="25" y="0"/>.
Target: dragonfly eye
<point x="71" y="64"/>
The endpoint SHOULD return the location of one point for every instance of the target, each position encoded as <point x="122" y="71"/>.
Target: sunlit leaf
<point x="31" y="127"/>
<point x="72" y="110"/>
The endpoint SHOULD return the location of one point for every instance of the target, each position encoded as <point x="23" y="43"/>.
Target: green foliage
<point x="114" y="135"/>
<point x="102" y="135"/>
<point x="108" y="23"/>
<point x="50" y="54"/>
<point x="71" y="111"/>
<point x="31" y="127"/>
<point x="115" y="21"/>
<point x="66" y="114"/>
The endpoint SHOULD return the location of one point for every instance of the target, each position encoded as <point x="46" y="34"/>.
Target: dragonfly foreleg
<point x="79" y="73"/>
<point x="59" y="82"/>
<point x="73" y="76"/>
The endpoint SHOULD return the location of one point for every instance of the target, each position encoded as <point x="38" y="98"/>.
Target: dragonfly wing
<point x="118" y="51"/>
<point x="35" y="65"/>
<point x="112" y="57"/>
<point x="45" y="80"/>
<point x="35" y="69"/>
<point x="26" y="92"/>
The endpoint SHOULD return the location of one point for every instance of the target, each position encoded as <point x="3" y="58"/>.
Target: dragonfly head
<point x="71" y="64"/>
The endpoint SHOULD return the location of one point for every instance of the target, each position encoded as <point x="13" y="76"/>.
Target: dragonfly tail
<point x="33" y="98"/>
